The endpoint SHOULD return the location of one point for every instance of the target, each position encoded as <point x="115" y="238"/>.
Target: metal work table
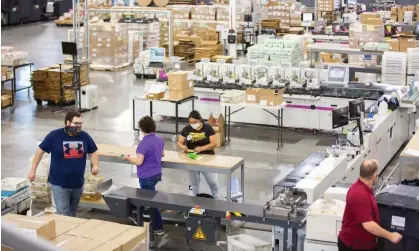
<point x="14" y="68"/>
<point x="177" y="160"/>
<point x="177" y="102"/>
<point x="269" y="109"/>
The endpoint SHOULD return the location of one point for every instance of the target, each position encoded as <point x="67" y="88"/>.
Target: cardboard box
<point x="178" y="81"/>
<point x="33" y="226"/>
<point x="253" y="95"/>
<point x="394" y="44"/>
<point x="63" y="218"/>
<point x="177" y="95"/>
<point x="407" y="42"/>
<point x="62" y="227"/>
<point x="400" y="14"/>
<point x="85" y="228"/>
<point x="130" y="238"/>
<point x="6" y="100"/>
<point x="375" y="21"/>
<point x="367" y="15"/>
<point x="68" y="242"/>
<point x="90" y="245"/>
<point x="110" y="246"/>
<point x="106" y="231"/>
<point x="271" y="97"/>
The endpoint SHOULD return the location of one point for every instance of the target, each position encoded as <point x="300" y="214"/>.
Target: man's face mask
<point x="74" y="129"/>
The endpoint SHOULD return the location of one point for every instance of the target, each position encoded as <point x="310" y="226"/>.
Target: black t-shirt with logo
<point x="195" y="138"/>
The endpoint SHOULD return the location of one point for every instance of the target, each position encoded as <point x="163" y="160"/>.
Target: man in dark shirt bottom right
<point x="360" y="225"/>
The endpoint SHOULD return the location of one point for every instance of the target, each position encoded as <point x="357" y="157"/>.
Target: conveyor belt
<point x="119" y="202"/>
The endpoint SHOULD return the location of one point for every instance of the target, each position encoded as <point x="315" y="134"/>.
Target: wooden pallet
<point x="113" y="69"/>
<point x="55" y="102"/>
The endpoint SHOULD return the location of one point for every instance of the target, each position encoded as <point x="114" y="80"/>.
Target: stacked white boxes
<point x="394" y="67"/>
<point x="40" y="189"/>
<point x="245" y="74"/>
<point x="150" y="29"/>
<point x="287" y="52"/>
<point x="227" y="73"/>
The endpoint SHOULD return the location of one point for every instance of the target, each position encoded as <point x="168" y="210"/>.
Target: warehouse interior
<point x="296" y="147"/>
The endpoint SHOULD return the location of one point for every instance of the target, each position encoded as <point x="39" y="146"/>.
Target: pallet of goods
<point x="108" y="46"/>
<point x="48" y="82"/>
<point x="70" y="233"/>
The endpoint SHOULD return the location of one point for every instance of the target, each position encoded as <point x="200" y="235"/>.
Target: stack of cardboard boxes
<point x="266" y="97"/>
<point x="203" y="13"/>
<point x="108" y="46"/>
<point x="325" y="9"/>
<point x="6" y="96"/>
<point x="75" y="234"/>
<point x="179" y="85"/>
<point x="150" y="30"/>
<point x="371" y="29"/>
<point x="405" y="13"/>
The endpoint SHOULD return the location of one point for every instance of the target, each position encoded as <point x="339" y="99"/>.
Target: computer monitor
<point x="338" y="74"/>
<point x="356" y="107"/>
<point x="69" y="48"/>
<point x="307" y="17"/>
<point x="157" y="55"/>
<point x="340" y="117"/>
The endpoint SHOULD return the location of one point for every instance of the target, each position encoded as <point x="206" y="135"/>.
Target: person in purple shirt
<point x="148" y="160"/>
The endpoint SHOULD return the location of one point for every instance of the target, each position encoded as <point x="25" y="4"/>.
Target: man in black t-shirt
<point x="199" y="137"/>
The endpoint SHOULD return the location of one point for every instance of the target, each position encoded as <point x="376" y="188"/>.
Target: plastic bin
<point x="243" y="242"/>
<point x="13" y="184"/>
<point x="399" y="212"/>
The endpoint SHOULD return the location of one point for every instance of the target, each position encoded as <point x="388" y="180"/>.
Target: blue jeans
<point x="66" y="200"/>
<point x="150" y="184"/>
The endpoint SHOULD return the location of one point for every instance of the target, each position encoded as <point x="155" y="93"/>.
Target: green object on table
<point x="193" y="155"/>
<point x="122" y="155"/>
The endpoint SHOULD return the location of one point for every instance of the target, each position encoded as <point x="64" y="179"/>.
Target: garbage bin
<point x="399" y="212"/>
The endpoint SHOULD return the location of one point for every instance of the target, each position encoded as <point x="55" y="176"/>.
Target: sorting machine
<point x="286" y="211"/>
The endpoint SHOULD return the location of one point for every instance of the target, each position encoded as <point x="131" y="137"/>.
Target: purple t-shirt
<point x="151" y="147"/>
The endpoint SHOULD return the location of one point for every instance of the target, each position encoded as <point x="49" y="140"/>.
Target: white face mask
<point x="196" y="126"/>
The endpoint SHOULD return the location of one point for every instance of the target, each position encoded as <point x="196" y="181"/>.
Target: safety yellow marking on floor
<point x="199" y="234"/>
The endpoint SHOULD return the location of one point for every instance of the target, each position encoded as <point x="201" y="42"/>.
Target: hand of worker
<point x="95" y="170"/>
<point x="395" y="237"/>
<point x="31" y="175"/>
<point x="126" y="157"/>
<point x="184" y="148"/>
<point x="198" y="149"/>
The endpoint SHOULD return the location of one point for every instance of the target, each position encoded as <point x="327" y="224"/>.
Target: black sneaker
<point x="159" y="232"/>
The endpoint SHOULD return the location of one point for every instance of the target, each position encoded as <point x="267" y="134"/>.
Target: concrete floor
<point x="112" y="123"/>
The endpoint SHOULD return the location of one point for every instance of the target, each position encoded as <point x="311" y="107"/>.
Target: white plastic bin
<point x="243" y="242"/>
<point x="13" y="184"/>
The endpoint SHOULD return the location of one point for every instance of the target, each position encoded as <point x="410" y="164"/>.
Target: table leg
<point x="279" y="126"/>
<point x="133" y="115"/>
<point x="294" y="239"/>
<point x="242" y="180"/>
<point x="225" y="124"/>
<point x="282" y="127"/>
<point x="229" y="187"/>
<point x="177" y="119"/>
<point x="285" y="239"/>
<point x="193" y="104"/>
<point x="229" y="122"/>
<point x="151" y="108"/>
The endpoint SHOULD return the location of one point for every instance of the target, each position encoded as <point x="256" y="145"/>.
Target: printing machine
<point x="21" y="11"/>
